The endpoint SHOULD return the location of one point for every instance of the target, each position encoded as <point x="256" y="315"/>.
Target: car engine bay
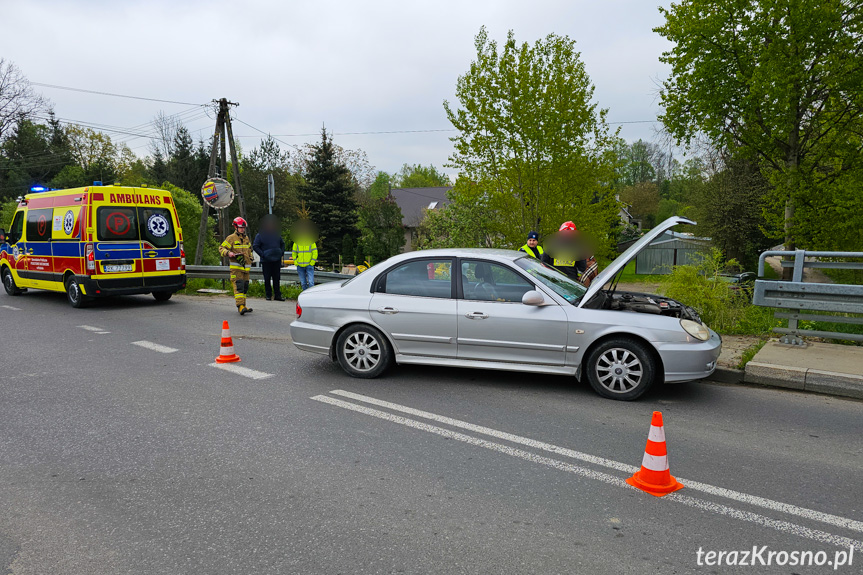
<point x="643" y="303"/>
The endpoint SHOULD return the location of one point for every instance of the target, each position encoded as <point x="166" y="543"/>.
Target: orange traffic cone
<point x="226" y="351"/>
<point x="655" y="477"/>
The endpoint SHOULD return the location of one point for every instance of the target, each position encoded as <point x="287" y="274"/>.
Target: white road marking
<point x="91" y="328"/>
<point x="834" y="520"/>
<point x="154" y="346"/>
<point x="784" y="526"/>
<point x="244" y="371"/>
<point x="12" y="307"/>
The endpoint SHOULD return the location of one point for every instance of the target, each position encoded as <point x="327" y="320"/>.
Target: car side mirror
<point x="532" y="297"/>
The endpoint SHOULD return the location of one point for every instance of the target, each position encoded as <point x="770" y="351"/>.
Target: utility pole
<point x="222" y="135"/>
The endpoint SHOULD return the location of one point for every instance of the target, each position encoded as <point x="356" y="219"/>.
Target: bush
<point x="721" y="307"/>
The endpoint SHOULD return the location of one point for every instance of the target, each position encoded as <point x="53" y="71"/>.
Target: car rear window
<point x="117" y="223"/>
<point x="130" y="223"/>
<point x="157" y="227"/>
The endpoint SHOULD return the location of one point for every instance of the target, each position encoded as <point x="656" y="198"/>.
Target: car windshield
<point x="566" y="288"/>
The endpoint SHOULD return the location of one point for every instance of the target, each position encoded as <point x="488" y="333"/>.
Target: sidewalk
<point x="820" y="367"/>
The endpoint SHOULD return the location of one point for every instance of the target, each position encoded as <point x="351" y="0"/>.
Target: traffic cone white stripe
<point x="227" y="350"/>
<point x="655" y="462"/>
<point x="656" y="434"/>
<point x="226" y="333"/>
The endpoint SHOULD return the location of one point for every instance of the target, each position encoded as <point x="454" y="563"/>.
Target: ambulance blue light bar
<point x="38" y="189"/>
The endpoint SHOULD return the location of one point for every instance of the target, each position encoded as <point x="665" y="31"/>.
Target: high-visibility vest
<point x="529" y="251"/>
<point x="304" y="255"/>
<point x="564" y="263"/>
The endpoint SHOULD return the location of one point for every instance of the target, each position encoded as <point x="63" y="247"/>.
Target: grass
<point x="750" y="352"/>
<point x="256" y="288"/>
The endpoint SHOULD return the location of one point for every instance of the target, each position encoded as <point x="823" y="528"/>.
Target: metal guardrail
<point x="289" y="276"/>
<point x="796" y="296"/>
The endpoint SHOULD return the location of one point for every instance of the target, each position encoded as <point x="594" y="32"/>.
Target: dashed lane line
<point x="244" y="371"/>
<point x="833" y="520"/>
<point x="12" y="307"/>
<point x="98" y="330"/>
<point x="154" y="346"/>
<point x="783" y="526"/>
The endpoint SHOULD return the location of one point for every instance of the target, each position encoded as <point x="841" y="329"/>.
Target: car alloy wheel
<point x="619" y="370"/>
<point x="362" y="351"/>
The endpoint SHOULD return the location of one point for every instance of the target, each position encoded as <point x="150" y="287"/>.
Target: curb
<point x="803" y="379"/>
<point x="727" y="375"/>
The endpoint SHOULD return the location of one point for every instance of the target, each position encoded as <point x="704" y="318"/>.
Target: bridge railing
<point x="798" y="298"/>
<point x="287" y="275"/>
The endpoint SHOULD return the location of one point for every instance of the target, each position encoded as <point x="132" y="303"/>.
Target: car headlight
<point x="695" y="329"/>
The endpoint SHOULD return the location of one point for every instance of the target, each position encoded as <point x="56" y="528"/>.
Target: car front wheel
<point x="621" y="369"/>
<point x="363" y="351"/>
<point x="9" y="283"/>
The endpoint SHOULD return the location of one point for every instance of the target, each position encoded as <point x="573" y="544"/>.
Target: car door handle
<point x="30" y="251"/>
<point x="387" y="310"/>
<point x="476" y="315"/>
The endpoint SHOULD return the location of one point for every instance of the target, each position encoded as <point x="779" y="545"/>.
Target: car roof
<point x="464" y="253"/>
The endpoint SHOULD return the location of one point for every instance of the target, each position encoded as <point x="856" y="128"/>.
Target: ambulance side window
<point x="39" y="225"/>
<point x="116" y="223"/>
<point x="14" y="235"/>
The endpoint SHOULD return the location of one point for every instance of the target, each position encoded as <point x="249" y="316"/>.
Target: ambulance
<point x="93" y="242"/>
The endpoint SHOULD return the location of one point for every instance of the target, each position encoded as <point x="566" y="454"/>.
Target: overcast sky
<point x="292" y="66"/>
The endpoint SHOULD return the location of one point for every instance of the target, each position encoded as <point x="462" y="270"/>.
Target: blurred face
<point x="241" y="230"/>
<point x="531" y="243"/>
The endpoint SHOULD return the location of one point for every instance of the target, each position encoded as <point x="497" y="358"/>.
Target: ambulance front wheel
<point x="73" y="293"/>
<point x="9" y="283"/>
<point x="162" y="295"/>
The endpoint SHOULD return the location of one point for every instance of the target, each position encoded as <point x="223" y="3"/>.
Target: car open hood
<point x="627" y="256"/>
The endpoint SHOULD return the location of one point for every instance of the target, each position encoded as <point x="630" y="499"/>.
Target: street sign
<point x="271" y="191"/>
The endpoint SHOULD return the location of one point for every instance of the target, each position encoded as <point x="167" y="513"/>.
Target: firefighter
<point x="238" y="248"/>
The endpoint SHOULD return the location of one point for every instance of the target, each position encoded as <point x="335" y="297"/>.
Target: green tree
<point x="419" y="176"/>
<point x="729" y="210"/>
<point x="777" y="80"/>
<point x="532" y="139"/>
<point x="380" y="188"/>
<point x="380" y="223"/>
<point x="468" y="221"/>
<point x="329" y="191"/>
<point x="643" y="199"/>
<point x="183" y="168"/>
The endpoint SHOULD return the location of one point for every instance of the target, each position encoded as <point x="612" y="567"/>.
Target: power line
<point x="265" y="133"/>
<point x="114" y="95"/>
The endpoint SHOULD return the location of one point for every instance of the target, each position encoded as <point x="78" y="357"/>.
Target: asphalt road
<point x="117" y="457"/>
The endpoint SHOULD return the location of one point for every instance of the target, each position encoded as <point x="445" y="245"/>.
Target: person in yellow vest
<point x="305" y="254"/>
<point x="532" y="247"/>
<point x="238" y="248"/>
<point x="580" y="270"/>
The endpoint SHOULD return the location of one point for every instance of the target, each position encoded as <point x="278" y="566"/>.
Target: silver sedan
<point x="501" y="309"/>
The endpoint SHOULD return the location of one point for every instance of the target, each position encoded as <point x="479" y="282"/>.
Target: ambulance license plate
<point x="109" y="268"/>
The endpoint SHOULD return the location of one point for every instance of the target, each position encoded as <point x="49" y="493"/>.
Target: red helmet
<point x="568" y="227"/>
<point x="240" y="223"/>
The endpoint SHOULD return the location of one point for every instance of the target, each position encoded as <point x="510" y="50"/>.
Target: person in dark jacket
<point x="270" y="246"/>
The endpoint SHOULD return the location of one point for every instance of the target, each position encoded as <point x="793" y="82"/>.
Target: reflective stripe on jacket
<point x="304" y="255"/>
<point x="530" y="251"/>
<point x="239" y="245"/>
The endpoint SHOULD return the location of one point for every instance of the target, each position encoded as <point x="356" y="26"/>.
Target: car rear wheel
<point x="162" y="295"/>
<point x="73" y="293"/>
<point x="620" y="368"/>
<point x="9" y="283"/>
<point x="363" y="351"/>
